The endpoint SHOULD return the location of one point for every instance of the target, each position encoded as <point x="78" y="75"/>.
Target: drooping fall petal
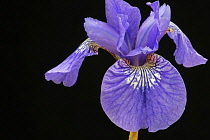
<point x="151" y="96"/>
<point x="185" y="53"/>
<point x="67" y="71"/>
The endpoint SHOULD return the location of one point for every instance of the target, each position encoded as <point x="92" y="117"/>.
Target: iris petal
<point x="67" y="71"/>
<point x="103" y="34"/>
<point x="116" y="7"/>
<point x="185" y="53"/>
<point x="150" y="96"/>
<point x="123" y="26"/>
<point x="152" y="29"/>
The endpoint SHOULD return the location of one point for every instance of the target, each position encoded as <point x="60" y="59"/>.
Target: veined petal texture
<point x="123" y="25"/>
<point x="103" y="34"/>
<point x="185" y="53"/>
<point x="152" y="29"/>
<point x="119" y="7"/>
<point x="152" y="96"/>
<point x="67" y="71"/>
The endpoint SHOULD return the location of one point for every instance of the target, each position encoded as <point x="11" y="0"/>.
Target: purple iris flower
<point x="142" y="89"/>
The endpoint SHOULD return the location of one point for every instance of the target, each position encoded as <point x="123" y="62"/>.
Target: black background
<point x="38" y="35"/>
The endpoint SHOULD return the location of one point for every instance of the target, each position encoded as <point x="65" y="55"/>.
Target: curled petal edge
<point x="116" y="7"/>
<point x="67" y="71"/>
<point x="185" y="53"/>
<point x="152" y="29"/>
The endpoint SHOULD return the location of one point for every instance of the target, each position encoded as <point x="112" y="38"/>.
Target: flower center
<point x="144" y="60"/>
<point x="150" y="61"/>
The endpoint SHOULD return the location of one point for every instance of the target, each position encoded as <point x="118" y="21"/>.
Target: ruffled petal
<point x="67" y="71"/>
<point x="116" y="7"/>
<point x="152" y="29"/>
<point x="103" y="34"/>
<point x="151" y="96"/>
<point x="185" y="53"/>
<point x="123" y="26"/>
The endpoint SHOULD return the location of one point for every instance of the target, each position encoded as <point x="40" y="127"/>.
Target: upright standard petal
<point x="123" y="26"/>
<point x="67" y="71"/>
<point x="116" y="7"/>
<point x="185" y="53"/>
<point x="103" y="34"/>
<point x="151" y="96"/>
<point x="152" y="29"/>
